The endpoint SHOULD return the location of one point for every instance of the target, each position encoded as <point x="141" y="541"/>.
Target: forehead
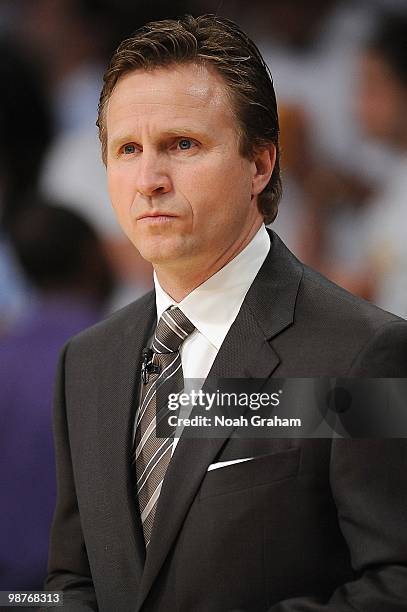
<point x="189" y="91"/>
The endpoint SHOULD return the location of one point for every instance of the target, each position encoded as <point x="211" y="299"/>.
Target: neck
<point x="180" y="280"/>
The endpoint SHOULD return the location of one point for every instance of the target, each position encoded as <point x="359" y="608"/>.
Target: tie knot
<point x="172" y="329"/>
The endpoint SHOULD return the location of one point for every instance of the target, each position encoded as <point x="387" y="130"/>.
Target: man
<point x="189" y="134"/>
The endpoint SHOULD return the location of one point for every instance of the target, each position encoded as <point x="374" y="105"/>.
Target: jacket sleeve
<point x="369" y="485"/>
<point x="68" y="566"/>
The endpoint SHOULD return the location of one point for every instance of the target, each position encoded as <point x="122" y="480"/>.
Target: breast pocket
<point x="265" y="469"/>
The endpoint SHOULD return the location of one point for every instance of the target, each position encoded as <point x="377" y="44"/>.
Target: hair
<point x="389" y="41"/>
<point x="213" y="42"/>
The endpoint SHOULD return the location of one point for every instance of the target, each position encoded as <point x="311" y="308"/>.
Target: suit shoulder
<point x="341" y="334"/>
<point x="331" y="301"/>
<point x="321" y="303"/>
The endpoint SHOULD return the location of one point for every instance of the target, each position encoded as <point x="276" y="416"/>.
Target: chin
<point x="164" y="250"/>
<point x="160" y="254"/>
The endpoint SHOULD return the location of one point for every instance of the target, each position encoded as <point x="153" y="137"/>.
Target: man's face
<point x="182" y="192"/>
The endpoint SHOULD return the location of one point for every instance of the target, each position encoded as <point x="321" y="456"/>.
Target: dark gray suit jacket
<point x="309" y="525"/>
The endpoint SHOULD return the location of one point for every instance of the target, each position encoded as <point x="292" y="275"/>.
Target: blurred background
<point x="340" y="74"/>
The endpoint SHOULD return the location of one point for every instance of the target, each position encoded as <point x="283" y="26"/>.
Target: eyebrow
<point x="182" y="131"/>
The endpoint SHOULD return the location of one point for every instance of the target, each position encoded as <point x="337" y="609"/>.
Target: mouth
<point x="155" y="217"/>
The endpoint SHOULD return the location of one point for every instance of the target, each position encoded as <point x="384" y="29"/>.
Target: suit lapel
<point x="246" y="352"/>
<point x="117" y="402"/>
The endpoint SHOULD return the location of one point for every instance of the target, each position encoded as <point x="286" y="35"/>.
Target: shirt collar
<point x="213" y="306"/>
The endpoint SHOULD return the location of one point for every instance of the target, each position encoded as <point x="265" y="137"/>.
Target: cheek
<point x="119" y="190"/>
<point x="220" y="199"/>
<point x="222" y="181"/>
<point x="120" y="198"/>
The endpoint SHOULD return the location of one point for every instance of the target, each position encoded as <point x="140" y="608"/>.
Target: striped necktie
<point x="151" y="455"/>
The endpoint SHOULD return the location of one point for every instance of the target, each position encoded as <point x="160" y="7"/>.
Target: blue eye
<point x="128" y="149"/>
<point x="185" y="144"/>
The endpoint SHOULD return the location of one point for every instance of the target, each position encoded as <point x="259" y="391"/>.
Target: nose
<point x="152" y="176"/>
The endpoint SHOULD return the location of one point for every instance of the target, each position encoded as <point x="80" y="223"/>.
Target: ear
<point x="263" y="162"/>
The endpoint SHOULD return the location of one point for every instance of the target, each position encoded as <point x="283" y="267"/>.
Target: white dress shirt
<point x="213" y="306"/>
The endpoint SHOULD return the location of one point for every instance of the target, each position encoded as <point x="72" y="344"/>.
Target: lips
<point x="155" y="215"/>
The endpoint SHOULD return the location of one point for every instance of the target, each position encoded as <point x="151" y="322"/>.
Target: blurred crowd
<point x="340" y="73"/>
